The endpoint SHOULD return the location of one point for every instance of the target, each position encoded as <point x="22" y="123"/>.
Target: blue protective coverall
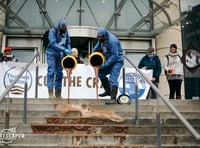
<point x="59" y="44"/>
<point x="113" y="52"/>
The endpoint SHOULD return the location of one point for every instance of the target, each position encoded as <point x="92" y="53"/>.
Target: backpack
<point x="167" y="56"/>
<point x="45" y="38"/>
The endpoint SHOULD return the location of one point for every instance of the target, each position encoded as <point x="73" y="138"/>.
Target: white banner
<point x="82" y="82"/>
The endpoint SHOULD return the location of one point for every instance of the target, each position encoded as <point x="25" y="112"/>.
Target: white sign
<point x="82" y="82"/>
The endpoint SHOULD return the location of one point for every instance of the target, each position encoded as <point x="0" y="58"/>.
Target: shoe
<point x="58" y="94"/>
<point x="51" y="95"/>
<point x="104" y="94"/>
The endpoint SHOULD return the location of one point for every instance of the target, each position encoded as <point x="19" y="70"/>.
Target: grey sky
<point x="186" y="3"/>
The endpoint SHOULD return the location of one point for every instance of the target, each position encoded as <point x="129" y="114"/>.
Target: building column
<point x="2" y="24"/>
<point x="165" y="38"/>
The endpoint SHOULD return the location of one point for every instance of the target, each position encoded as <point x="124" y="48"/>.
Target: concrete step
<point x="101" y="101"/>
<point x="143" y="107"/>
<point x="76" y="131"/>
<point x="124" y="114"/>
<point x="143" y="118"/>
<point x="128" y="121"/>
<point x="101" y="129"/>
<point x="103" y="121"/>
<point x="114" y="139"/>
<point x="100" y="146"/>
<point x="108" y="129"/>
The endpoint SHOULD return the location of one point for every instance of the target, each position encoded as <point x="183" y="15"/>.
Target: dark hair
<point x="173" y="46"/>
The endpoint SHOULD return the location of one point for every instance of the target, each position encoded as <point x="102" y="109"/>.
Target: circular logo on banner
<point x="191" y="58"/>
<point x="10" y="76"/>
<point x="130" y="81"/>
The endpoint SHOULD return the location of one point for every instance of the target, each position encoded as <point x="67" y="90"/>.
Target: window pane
<point x="24" y="55"/>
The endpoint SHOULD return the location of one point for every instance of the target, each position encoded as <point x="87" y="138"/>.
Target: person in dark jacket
<point x="112" y="49"/>
<point x="58" y="47"/>
<point x="8" y="56"/>
<point x="151" y="61"/>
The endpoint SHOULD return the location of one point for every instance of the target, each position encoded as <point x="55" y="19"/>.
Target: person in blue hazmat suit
<point x="111" y="47"/>
<point x="58" y="47"/>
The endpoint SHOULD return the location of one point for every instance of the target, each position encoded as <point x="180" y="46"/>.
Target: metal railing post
<point x="36" y="81"/>
<point x="25" y="103"/>
<point x="159" y="138"/>
<point x="136" y="103"/>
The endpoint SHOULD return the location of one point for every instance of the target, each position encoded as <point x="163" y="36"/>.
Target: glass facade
<point x="34" y="17"/>
<point x="118" y="15"/>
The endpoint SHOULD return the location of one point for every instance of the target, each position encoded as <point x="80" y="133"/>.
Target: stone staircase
<point x="47" y="128"/>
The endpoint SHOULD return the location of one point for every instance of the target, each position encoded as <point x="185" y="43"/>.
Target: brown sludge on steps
<point x="87" y="112"/>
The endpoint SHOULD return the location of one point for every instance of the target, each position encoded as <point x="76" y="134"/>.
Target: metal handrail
<point x="167" y="102"/>
<point x="2" y="97"/>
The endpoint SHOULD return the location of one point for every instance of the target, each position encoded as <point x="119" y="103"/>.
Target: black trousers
<point x="175" y="88"/>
